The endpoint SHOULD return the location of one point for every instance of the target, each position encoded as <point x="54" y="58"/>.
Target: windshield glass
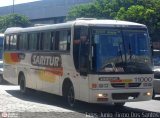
<point x="122" y="51"/>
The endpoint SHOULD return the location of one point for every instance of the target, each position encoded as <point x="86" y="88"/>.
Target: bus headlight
<point x="102" y="97"/>
<point x="148" y="94"/>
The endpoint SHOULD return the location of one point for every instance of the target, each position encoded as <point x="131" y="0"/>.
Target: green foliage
<point x="141" y="11"/>
<point x="13" y="20"/>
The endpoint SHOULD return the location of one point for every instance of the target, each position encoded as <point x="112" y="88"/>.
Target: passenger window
<point x="57" y="40"/>
<point x="33" y="41"/>
<point x="13" y="42"/>
<point x="23" y="42"/>
<point x="53" y="36"/>
<point x="7" y="38"/>
<point x="64" y="40"/>
<point x="46" y="41"/>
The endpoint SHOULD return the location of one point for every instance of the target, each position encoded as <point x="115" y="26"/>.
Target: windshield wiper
<point x="120" y="52"/>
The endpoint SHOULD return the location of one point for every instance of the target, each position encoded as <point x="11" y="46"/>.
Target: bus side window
<point x="23" y="41"/>
<point x="57" y="40"/>
<point x="13" y="42"/>
<point x="52" y="40"/>
<point x="33" y="41"/>
<point x="7" y="42"/>
<point x="45" y="41"/>
<point x="64" y="43"/>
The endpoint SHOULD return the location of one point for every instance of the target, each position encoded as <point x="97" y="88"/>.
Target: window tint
<point x="33" y="41"/>
<point x="53" y="39"/>
<point x="57" y="40"/>
<point x="46" y="40"/>
<point x="22" y="42"/>
<point x="7" y="38"/>
<point x="13" y="42"/>
<point x="64" y="40"/>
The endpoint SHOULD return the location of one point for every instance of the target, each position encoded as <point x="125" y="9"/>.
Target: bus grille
<point x="122" y="96"/>
<point x="125" y="85"/>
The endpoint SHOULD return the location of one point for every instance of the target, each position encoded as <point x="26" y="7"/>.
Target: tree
<point x="98" y="9"/>
<point x="145" y="12"/>
<point x="141" y="11"/>
<point x="13" y="20"/>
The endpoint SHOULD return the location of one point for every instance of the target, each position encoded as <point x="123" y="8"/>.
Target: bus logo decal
<point x="46" y="60"/>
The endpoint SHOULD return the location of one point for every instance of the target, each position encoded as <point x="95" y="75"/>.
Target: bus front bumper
<point x="120" y="95"/>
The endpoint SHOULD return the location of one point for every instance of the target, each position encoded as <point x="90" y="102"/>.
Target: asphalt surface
<point x="43" y="105"/>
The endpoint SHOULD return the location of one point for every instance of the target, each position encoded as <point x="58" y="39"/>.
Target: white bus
<point x="90" y="60"/>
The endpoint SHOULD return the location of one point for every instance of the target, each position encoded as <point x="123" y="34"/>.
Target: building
<point x="43" y="11"/>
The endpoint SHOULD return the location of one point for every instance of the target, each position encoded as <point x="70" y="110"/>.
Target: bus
<point x="92" y="60"/>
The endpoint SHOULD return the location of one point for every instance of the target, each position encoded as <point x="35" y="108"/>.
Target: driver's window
<point x="80" y="48"/>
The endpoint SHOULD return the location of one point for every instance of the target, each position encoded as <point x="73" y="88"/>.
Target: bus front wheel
<point x="70" y="96"/>
<point x="153" y="95"/>
<point x="22" y="83"/>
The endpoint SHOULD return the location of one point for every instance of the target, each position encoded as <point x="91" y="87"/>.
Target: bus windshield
<point x="121" y="51"/>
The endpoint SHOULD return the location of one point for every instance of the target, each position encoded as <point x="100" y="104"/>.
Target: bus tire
<point x="68" y="93"/>
<point x="22" y="84"/>
<point x="70" y="96"/>
<point x="119" y="104"/>
<point x="153" y="95"/>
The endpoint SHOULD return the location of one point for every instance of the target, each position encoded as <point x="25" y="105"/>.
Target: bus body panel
<point x="133" y="86"/>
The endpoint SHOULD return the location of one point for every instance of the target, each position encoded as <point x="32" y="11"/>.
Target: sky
<point x="10" y="2"/>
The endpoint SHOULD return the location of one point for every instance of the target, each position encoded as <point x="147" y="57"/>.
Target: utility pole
<point x="13" y="6"/>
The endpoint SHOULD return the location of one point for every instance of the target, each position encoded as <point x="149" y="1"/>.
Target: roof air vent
<point x="85" y="18"/>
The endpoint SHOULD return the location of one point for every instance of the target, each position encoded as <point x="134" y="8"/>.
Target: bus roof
<point x="78" y="22"/>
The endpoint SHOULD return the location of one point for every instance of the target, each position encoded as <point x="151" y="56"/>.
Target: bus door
<point x="83" y="54"/>
<point x="81" y="50"/>
<point x="80" y="55"/>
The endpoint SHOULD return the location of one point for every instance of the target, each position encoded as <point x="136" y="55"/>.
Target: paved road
<point x="43" y="105"/>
